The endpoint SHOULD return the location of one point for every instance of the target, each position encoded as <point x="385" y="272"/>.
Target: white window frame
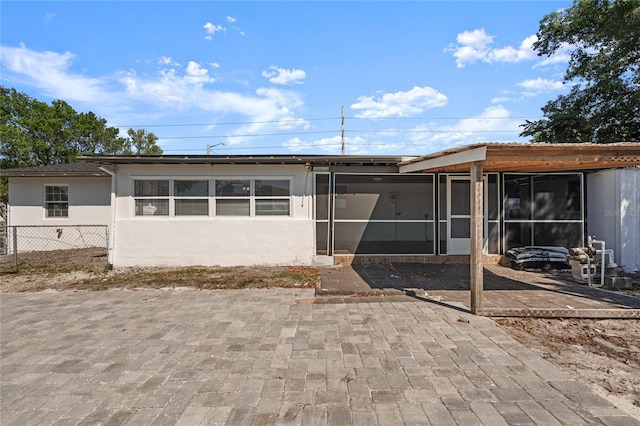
<point x="152" y="197"/>
<point x="46" y="202"/>
<point x="212" y="198"/>
<point x="173" y="197"/>
<point x="252" y="197"/>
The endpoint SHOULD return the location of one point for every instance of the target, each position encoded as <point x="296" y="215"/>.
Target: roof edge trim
<point x="461" y="157"/>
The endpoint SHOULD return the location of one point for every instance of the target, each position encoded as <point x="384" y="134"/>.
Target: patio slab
<point x="505" y="289"/>
<point x="264" y="357"/>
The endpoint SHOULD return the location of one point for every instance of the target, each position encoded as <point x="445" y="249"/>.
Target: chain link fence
<point x="44" y="240"/>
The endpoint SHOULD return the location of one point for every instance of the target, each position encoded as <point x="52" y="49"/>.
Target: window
<point x="253" y="197"/>
<point x="231" y="197"/>
<point x="377" y="214"/>
<point x="56" y="200"/>
<point x="543" y="210"/>
<point x="152" y="197"/>
<point x="191" y="197"/>
<point x="272" y="197"/>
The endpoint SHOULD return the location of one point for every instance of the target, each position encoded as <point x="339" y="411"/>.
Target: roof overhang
<point x="515" y="157"/>
<point x="309" y="160"/>
<point x="57" y="170"/>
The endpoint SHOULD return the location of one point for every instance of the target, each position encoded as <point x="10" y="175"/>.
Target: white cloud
<point x="477" y="45"/>
<point x="283" y="76"/>
<point x="492" y="124"/>
<point x="231" y="19"/>
<point x="331" y="145"/>
<point x="500" y="99"/>
<point x="539" y="86"/>
<point x="196" y="74"/>
<point x="212" y="29"/>
<point x="163" y="94"/>
<point x="167" y="60"/>
<point x="399" y="104"/>
<point x="50" y="71"/>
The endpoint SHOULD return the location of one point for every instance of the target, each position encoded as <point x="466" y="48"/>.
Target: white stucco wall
<point x="212" y="240"/>
<point x="613" y="213"/>
<point x="89" y="204"/>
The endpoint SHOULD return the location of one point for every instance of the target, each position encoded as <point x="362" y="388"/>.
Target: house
<point x="43" y="200"/>
<point x="455" y="205"/>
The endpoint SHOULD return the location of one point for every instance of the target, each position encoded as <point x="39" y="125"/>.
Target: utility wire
<point x="337" y="132"/>
<point x="235" y="123"/>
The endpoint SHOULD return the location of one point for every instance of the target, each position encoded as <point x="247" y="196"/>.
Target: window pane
<point x="322" y="197"/>
<point x="558" y="234"/>
<point x="57" y="201"/>
<point x="272" y="187"/>
<point x="57" y="210"/>
<point x="272" y="207"/>
<point x="191" y="188"/>
<point x="461" y="228"/>
<point x="151" y="188"/>
<point x="460" y="197"/>
<point x="192" y="207"/>
<point x="384" y="197"/>
<point x="152" y="207"/>
<point x="384" y="238"/>
<point x="232" y="207"/>
<point x="57" y="193"/>
<point x="493" y="238"/>
<point x="517" y="197"/>
<point x="443" y="238"/>
<point x="442" y="194"/>
<point x="322" y="238"/>
<point x="557" y="197"/>
<point x="233" y="188"/>
<point x="493" y="200"/>
<point x="517" y="235"/>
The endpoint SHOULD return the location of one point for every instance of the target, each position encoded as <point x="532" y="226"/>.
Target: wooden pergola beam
<point x="477" y="201"/>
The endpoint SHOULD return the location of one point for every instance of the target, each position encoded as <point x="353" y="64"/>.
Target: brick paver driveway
<point x="260" y="357"/>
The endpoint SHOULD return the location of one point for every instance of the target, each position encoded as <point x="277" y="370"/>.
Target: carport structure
<point x="521" y="158"/>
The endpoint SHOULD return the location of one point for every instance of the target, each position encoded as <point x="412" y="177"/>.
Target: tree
<point x="143" y="142"/>
<point x="603" y="105"/>
<point x="34" y="133"/>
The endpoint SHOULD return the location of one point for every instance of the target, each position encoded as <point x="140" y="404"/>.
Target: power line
<point x="335" y="132"/>
<point x="235" y="123"/>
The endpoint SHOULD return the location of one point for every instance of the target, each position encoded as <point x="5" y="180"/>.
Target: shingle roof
<point x="68" y="169"/>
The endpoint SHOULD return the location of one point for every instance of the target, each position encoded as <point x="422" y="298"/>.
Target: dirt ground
<point x="85" y="269"/>
<point x="604" y="354"/>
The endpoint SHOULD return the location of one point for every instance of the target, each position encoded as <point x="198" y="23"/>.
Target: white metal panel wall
<point x="613" y="213"/>
<point x="630" y="219"/>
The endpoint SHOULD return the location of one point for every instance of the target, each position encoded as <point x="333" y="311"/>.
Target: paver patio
<point x="504" y="288"/>
<point x="263" y="357"/>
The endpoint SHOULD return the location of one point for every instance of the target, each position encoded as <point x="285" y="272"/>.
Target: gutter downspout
<point x="112" y="233"/>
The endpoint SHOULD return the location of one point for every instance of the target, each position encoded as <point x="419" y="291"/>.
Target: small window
<point x="56" y="201"/>
<point x="253" y="197"/>
<point x="190" y="197"/>
<point x="152" y="197"/>
<point x="272" y="197"/>
<point x="233" y="197"/>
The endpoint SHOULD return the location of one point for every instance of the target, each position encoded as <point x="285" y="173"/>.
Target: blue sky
<point x="271" y="77"/>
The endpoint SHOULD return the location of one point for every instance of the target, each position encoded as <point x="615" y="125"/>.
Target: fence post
<point x="15" y="245"/>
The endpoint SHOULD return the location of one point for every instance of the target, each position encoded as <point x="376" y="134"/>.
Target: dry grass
<point x="85" y="270"/>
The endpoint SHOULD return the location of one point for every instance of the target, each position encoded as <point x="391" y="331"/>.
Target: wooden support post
<point x="475" y="261"/>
